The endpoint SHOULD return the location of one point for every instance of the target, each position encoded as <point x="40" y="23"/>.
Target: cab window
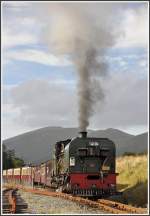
<point x="82" y="152"/>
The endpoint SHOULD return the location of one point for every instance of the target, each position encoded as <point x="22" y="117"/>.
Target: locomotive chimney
<point x="83" y="134"/>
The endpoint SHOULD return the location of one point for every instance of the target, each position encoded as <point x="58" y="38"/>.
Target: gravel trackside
<point x="40" y="204"/>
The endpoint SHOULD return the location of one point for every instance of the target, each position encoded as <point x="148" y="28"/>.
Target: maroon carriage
<point x="27" y="175"/>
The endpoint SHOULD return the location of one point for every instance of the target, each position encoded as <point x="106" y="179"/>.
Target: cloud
<point x="47" y="99"/>
<point x="11" y="128"/>
<point x="16" y="4"/>
<point x="135" y="28"/>
<point x="126" y="102"/>
<point x="135" y="129"/>
<point x="24" y="17"/>
<point x="143" y="63"/>
<point x="10" y="39"/>
<point x="7" y="110"/>
<point x="116" y="60"/>
<point x="10" y="112"/>
<point x="22" y="31"/>
<point x="17" y="27"/>
<point x="42" y="103"/>
<point x="37" y="56"/>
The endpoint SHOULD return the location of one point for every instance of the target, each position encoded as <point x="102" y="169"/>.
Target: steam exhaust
<point x="84" y="37"/>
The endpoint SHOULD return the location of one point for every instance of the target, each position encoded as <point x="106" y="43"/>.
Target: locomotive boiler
<point x="85" y="166"/>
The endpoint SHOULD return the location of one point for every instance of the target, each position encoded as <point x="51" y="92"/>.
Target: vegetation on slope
<point x="10" y="160"/>
<point x="132" y="179"/>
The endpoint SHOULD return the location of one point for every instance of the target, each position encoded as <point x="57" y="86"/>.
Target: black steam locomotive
<point x="85" y="166"/>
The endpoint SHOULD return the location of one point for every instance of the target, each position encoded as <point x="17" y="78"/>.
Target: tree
<point x="5" y="156"/>
<point x="10" y="160"/>
<point x="18" y="162"/>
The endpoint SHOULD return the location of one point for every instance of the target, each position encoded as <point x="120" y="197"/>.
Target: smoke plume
<point x="83" y="32"/>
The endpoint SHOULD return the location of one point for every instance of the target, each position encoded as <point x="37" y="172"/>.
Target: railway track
<point x="12" y="202"/>
<point x="102" y="204"/>
<point x="121" y="207"/>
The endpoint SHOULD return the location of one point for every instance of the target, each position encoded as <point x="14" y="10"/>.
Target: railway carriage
<point x="10" y="175"/>
<point x="4" y="176"/>
<point x="37" y="175"/>
<point x="17" y="175"/>
<point x="43" y="174"/>
<point x="27" y="175"/>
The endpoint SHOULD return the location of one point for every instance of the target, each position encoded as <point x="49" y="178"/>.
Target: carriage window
<point x="82" y="152"/>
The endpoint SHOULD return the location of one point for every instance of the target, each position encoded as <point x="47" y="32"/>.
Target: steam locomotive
<point x="83" y="166"/>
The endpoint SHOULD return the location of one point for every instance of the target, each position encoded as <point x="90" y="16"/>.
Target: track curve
<point x="102" y="204"/>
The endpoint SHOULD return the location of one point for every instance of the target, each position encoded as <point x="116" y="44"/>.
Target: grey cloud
<point x="126" y="103"/>
<point x="42" y="103"/>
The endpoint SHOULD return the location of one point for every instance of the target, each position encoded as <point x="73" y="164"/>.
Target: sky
<point x="39" y="88"/>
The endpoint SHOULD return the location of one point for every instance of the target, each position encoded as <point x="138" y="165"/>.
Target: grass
<point x="132" y="179"/>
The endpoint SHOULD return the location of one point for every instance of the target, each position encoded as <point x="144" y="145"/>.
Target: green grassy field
<point x="132" y="179"/>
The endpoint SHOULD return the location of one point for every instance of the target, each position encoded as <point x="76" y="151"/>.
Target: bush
<point x="129" y="154"/>
<point x="134" y="154"/>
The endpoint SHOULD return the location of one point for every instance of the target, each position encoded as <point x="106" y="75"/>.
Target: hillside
<point x="36" y="146"/>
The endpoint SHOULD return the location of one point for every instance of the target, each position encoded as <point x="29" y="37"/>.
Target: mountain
<point x="37" y="145"/>
<point x="124" y="142"/>
<point x="136" y="144"/>
<point x="114" y="134"/>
